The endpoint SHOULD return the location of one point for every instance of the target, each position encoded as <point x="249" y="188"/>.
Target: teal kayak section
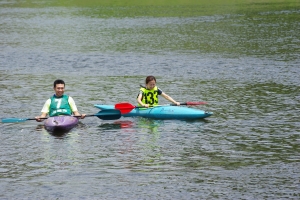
<point x="163" y="112"/>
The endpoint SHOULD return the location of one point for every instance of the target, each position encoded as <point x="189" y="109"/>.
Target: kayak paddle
<point x="14" y="120"/>
<point x="103" y="114"/>
<point x="109" y="114"/>
<point x="126" y="107"/>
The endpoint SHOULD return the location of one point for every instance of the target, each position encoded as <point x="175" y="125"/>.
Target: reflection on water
<point x="117" y="125"/>
<point x="149" y="141"/>
<point x="138" y="138"/>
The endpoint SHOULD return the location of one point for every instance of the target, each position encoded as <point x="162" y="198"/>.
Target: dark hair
<point x="150" y="78"/>
<point x="58" y="81"/>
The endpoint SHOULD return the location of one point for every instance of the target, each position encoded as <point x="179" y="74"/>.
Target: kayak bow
<point x="60" y="123"/>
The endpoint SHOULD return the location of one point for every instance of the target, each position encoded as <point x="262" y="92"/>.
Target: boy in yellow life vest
<point x="148" y="96"/>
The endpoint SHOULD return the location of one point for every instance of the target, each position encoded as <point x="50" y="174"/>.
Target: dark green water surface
<point x="241" y="57"/>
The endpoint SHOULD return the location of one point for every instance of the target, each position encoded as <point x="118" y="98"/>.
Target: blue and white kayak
<point x="60" y="123"/>
<point x="162" y="112"/>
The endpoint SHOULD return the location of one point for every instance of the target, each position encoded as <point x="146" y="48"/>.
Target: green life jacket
<point x="59" y="106"/>
<point x="150" y="96"/>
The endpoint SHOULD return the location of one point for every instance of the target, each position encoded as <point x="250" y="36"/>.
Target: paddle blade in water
<point x="110" y="114"/>
<point x="13" y="120"/>
<point x="124" y="107"/>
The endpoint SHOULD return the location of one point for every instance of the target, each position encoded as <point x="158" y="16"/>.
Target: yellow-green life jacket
<point x="150" y="96"/>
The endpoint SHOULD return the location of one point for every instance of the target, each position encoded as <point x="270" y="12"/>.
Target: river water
<point x="242" y="59"/>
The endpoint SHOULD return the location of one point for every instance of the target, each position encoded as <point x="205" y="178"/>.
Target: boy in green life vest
<point x="148" y="96"/>
<point x="59" y="103"/>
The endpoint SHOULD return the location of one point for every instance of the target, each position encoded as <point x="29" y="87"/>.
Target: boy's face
<point x="59" y="89"/>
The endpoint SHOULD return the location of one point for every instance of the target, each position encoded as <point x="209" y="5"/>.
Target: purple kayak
<point x="60" y="123"/>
